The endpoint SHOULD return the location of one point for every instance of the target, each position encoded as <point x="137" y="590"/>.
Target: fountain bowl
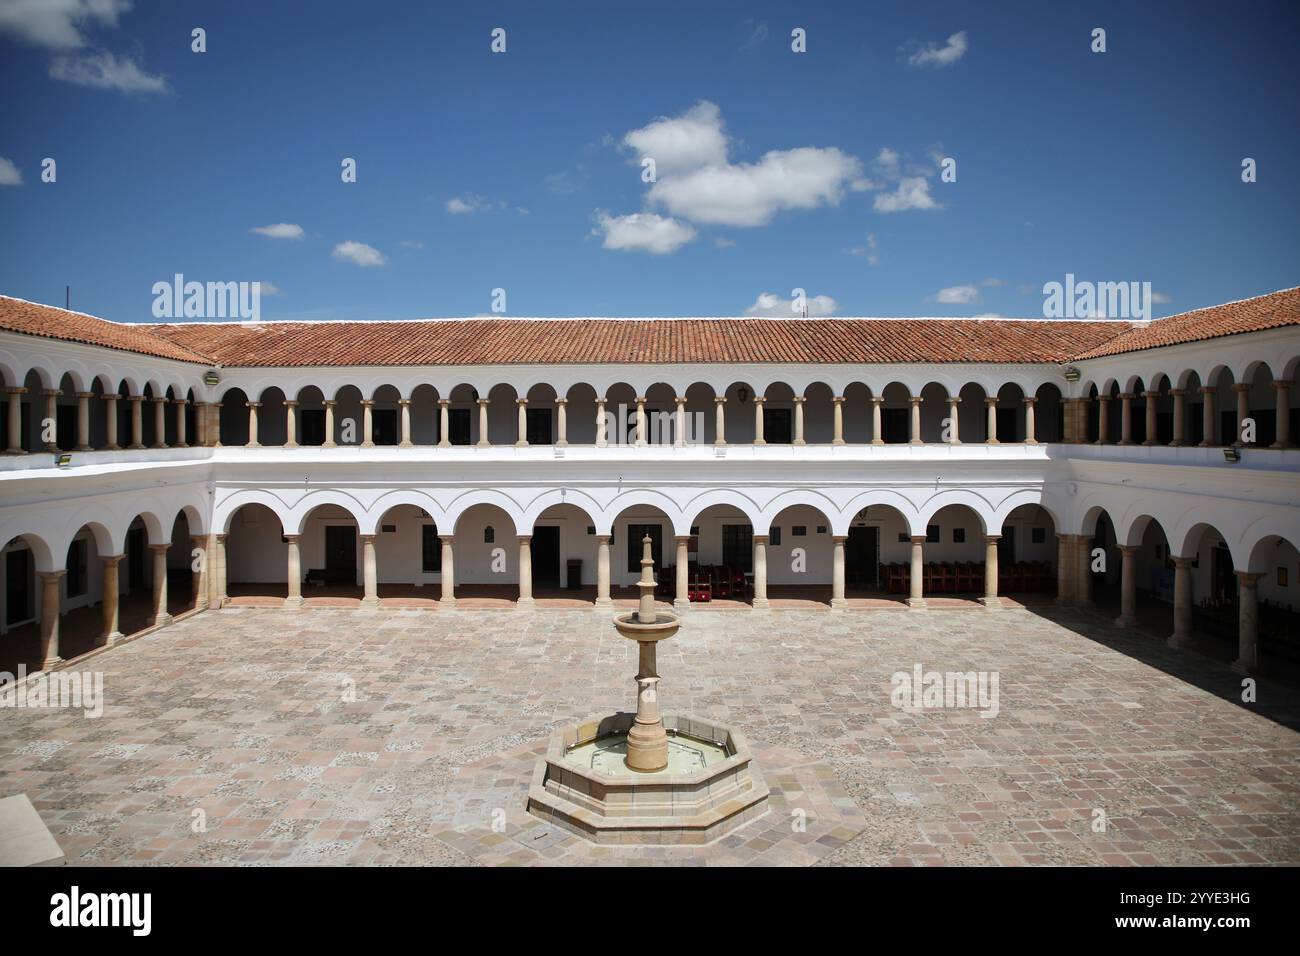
<point x="664" y="626"/>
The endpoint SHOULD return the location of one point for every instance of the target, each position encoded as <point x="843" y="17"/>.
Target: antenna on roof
<point x="67" y="297"/>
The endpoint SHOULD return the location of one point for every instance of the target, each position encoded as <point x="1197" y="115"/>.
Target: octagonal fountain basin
<point x="708" y="789"/>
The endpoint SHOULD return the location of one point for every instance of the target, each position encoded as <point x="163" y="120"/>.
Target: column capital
<point x="720" y="399"/>
<point x="681" y="537"/>
<point x="601" y="400"/>
<point x="444" y="403"/>
<point x="1030" y="401"/>
<point x="367" y="538"/>
<point x="603" y="538"/>
<point x="1241" y="387"/>
<point x="483" y="402"/>
<point x="839" y="538"/>
<point x="915" y="399"/>
<point x="291" y="403"/>
<point x="1176" y="392"/>
<point x="524" y="538"/>
<point x="760" y="399"/>
<point x="292" y="537"/>
<point x="837" y="399"/>
<point x="521" y="401"/>
<point x="111" y="558"/>
<point x="88" y="395"/>
<point x="561" y="401"/>
<point x="403" y="401"/>
<point x="255" y="404"/>
<point x="1128" y="550"/>
<point x="877" y="400"/>
<point x="954" y="399"/>
<point x="186" y="401"/>
<point x="329" y="402"/>
<point x="679" y="399"/>
<point x="19" y="390"/>
<point x="160" y="548"/>
<point x="1182" y="563"/>
<point x="447" y="539"/>
<point x="48" y="576"/>
<point x="916" y="538"/>
<point x="799" y="399"/>
<point x="54" y="393"/>
<point x="1104" y="398"/>
<point x="992" y="538"/>
<point x="162" y="399"/>
<point x="1248" y="579"/>
<point x="367" y="403"/>
<point x="1127" y="396"/>
<point x="1207" y="389"/>
<point x="1281" y="384"/>
<point x="990" y="402"/>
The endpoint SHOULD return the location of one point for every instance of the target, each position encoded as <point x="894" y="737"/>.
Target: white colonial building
<point x="154" y="470"/>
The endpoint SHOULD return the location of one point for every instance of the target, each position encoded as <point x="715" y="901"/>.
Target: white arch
<point x="809" y="498"/>
<point x="642" y="496"/>
<point x="369" y="522"/>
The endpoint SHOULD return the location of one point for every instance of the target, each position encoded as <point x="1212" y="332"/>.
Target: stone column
<point x="444" y="423"/>
<point x="798" y="420"/>
<point x="915" y="431"/>
<point x="1208" y="417"/>
<point x="405" y="405"/>
<point x="954" y="429"/>
<point x="1180" y="416"/>
<point x="837" y="571"/>
<point x="562" y="420"/>
<point x="1243" y="410"/>
<point x="640" y="420"/>
<point x="51" y="414"/>
<point x="521" y="440"/>
<point x="137" y="422"/>
<point x="1150" y="409"/>
<point x="525" y="573"/>
<point x="110" y="423"/>
<point x="602" y="572"/>
<point x="220" y="579"/>
<point x="1065" y="554"/>
<point x="294" y="576"/>
<point x="721" y="403"/>
<point x="1283" y="417"/>
<point x="991" y="421"/>
<point x="1128" y="587"/>
<point x="329" y="425"/>
<point x="15" y="410"/>
<point x="367" y="423"/>
<point x="679" y="438"/>
<point x="448" y="571"/>
<point x="1126" y="418"/>
<point x="1103" y="420"/>
<point x="602" y="440"/>
<point x="252" y="424"/>
<point x="837" y="405"/>
<point x="83" y="420"/>
<point x="199" y="579"/>
<point x="876" y="437"/>
<point x="160" y="615"/>
<point x="49" y="617"/>
<point x="682" y="599"/>
<point x="109" y="628"/>
<point x="1247" y="661"/>
<point x="759" y="404"/>
<point x="290" y="423"/>
<point x="369" y="572"/>
<point x="1031" y="429"/>
<point x="1083" y="571"/>
<point x="201" y="429"/>
<point x="181" y="438"/>
<point x="159" y="422"/>
<point x="483" y="440"/>
<point x="916" y="584"/>
<point x="760" y="571"/>
<point x="1182" y="635"/>
<point x="990" y="598"/>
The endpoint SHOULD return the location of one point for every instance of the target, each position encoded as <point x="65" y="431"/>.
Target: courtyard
<point x="408" y="736"/>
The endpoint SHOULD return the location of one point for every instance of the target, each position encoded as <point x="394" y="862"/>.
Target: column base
<point x="837" y="441"/>
<point x="1243" y="667"/>
<point x="406" y="444"/>
<point x="525" y="604"/>
<point x="449" y="603"/>
<point x="991" y="601"/>
<point x="1280" y="445"/>
<point x="108" y="640"/>
<point x="839" y="603"/>
<point x="1178" y="640"/>
<point x="916" y="602"/>
<point x="370" y="603"/>
<point x="159" y="620"/>
<point x="761" y="604"/>
<point x="603" y="604"/>
<point x="293" y="601"/>
<point x="1125" y="621"/>
<point x="681" y="604"/>
<point x="798" y="441"/>
<point x="50" y="662"/>
<point x="88" y="448"/>
<point x="521" y="444"/>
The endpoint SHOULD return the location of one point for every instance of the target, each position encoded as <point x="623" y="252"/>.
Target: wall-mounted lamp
<point x="743" y="393"/>
<point x="1071" y="373"/>
<point x="211" y="377"/>
<point x="62" y="460"/>
<point x="1231" y="455"/>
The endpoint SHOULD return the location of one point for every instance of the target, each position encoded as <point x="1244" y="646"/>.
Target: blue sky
<point x="776" y="170"/>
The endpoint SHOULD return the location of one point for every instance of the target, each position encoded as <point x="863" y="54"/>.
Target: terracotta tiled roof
<point x="31" y="318"/>
<point x="654" y="341"/>
<point x="1249" y="315"/>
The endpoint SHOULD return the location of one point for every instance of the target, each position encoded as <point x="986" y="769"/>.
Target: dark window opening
<point x="430" y="549"/>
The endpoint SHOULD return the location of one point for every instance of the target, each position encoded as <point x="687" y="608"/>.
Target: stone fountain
<point x="643" y="777"/>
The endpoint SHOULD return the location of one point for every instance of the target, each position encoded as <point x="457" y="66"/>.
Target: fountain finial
<point x="646" y="612"/>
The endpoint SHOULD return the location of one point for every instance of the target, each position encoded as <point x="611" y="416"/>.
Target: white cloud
<point x="358" y="253"/>
<point x="269" y="288"/>
<point x="279" y="230"/>
<point x="958" y="295"/>
<point x="1157" y="297"/>
<point x="412" y="244"/>
<point x="643" y="232"/>
<point x="770" y="304"/>
<point x="946" y="55"/>
<point x="751" y="194"/>
<point x="105" y="71"/>
<point x="463" y="206"/>
<point x="57" y="24"/>
<point x="722" y="242"/>
<point x="868" y="251"/>
<point x="10" y="175"/>
<point x="993" y="283"/>
<point x="912" y="192"/>
<point x="887" y="162"/>
<point x="682" y="143"/>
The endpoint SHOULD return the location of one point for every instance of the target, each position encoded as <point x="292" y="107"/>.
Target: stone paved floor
<point x="244" y="715"/>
